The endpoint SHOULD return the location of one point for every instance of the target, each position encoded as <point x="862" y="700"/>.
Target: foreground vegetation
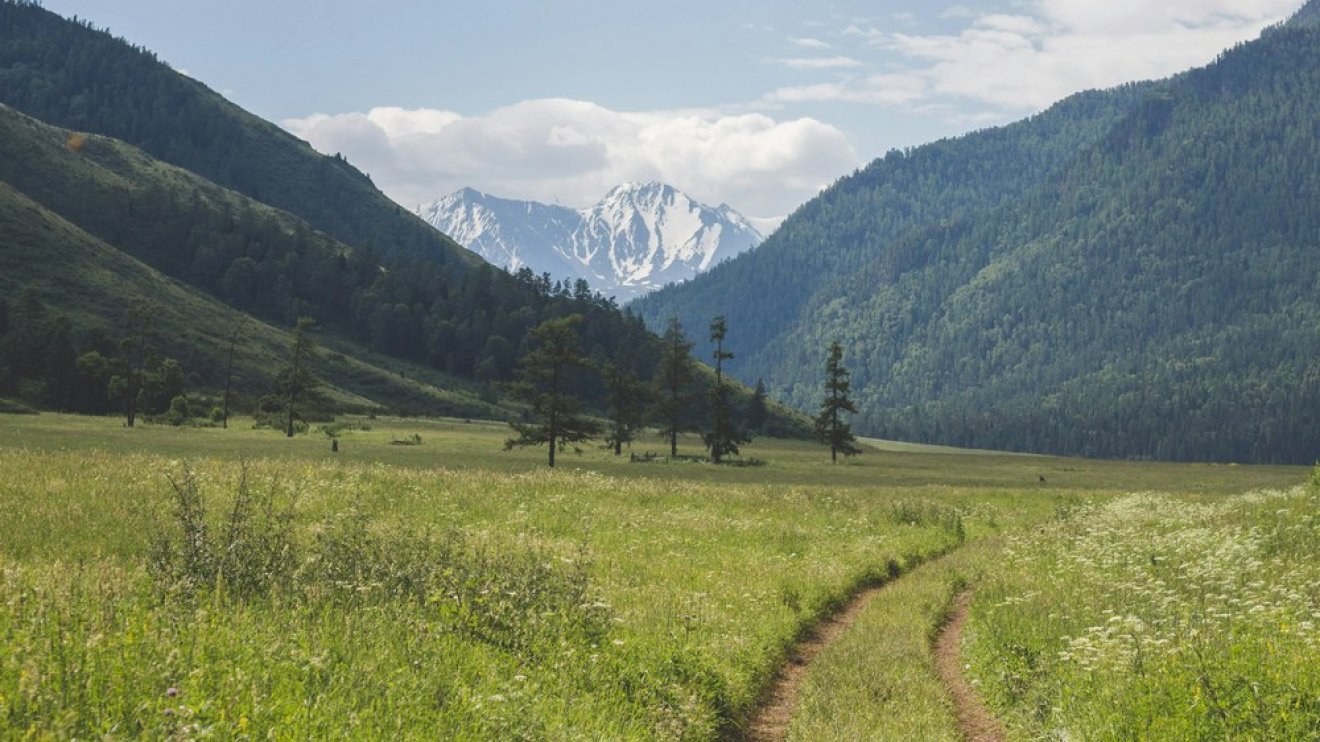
<point x="1153" y="617"/>
<point x="153" y="584"/>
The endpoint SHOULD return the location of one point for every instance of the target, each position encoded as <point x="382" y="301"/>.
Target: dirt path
<point x="974" y="719"/>
<point x="771" y="722"/>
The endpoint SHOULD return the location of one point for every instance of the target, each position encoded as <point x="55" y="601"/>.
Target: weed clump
<point x="519" y="600"/>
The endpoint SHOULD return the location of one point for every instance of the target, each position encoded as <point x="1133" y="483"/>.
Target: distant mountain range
<point x="638" y="238"/>
<point x="1132" y="273"/>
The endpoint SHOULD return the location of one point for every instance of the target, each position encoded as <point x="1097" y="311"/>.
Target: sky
<point x="755" y="104"/>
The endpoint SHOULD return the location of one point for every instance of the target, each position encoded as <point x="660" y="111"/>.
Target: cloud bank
<point x="999" y="65"/>
<point x="572" y="152"/>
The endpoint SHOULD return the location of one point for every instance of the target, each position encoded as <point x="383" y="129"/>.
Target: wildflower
<point x="171" y="691"/>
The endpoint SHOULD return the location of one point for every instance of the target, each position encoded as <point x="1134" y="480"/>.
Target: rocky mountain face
<point x="638" y="238"/>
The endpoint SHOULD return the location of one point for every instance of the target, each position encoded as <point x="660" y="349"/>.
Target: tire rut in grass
<point x="772" y="719"/>
<point x="974" y="719"/>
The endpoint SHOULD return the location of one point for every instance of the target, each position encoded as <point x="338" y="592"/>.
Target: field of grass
<point x="1151" y="617"/>
<point x="447" y="589"/>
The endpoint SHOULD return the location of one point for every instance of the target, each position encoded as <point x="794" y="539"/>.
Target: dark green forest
<point x="1132" y="273"/>
<point x="276" y="267"/>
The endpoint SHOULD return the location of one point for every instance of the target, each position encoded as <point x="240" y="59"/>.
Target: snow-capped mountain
<point x="638" y="238"/>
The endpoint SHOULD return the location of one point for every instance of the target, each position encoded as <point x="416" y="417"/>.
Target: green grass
<point x="1158" y="617"/>
<point x="453" y="590"/>
<point x="878" y="681"/>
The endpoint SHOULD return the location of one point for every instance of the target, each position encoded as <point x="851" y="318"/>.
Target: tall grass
<point x="1154" y="617"/>
<point x="137" y="599"/>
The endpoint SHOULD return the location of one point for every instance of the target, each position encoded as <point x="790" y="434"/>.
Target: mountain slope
<point x="640" y="237"/>
<point x="852" y="221"/>
<point x="1152" y="295"/>
<point x="91" y="281"/>
<point x="71" y="75"/>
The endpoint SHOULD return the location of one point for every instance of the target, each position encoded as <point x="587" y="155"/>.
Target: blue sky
<point x="757" y="104"/>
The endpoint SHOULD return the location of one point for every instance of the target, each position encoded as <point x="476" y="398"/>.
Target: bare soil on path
<point x="771" y="722"/>
<point x="974" y="719"/>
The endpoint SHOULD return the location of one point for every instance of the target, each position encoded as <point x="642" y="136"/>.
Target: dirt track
<point x="974" y="719"/>
<point x="771" y="722"/>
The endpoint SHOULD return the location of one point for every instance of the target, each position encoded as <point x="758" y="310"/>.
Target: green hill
<point x="146" y="218"/>
<point x="71" y="75"/>
<point x="1132" y="273"/>
<point x="72" y="274"/>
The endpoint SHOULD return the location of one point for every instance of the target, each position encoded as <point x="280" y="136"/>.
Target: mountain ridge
<point x="1145" y="294"/>
<point x="638" y="237"/>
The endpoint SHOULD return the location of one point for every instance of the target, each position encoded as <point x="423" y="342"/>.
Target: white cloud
<point x="573" y="152"/>
<point x="808" y="43"/>
<point x="886" y="89"/>
<point x="1013" y="63"/>
<point x="817" y="63"/>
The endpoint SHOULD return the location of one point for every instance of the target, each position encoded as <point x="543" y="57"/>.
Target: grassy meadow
<point x="421" y="582"/>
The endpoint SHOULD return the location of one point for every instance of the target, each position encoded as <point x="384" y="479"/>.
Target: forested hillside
<point x="1150" y="291"/>
<point x="276" y="267"/>
<point x="63" y="301"/>
<point x="251" y="217"/>
<point x="71" y="75"/>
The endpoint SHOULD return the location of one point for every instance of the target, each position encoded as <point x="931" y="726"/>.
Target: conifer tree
<point x="296" y="382"/>
<point x="628" y="399"/>
<point x="140" y="325"/>
<point x="724" y="435"/>
<point x="229" y="373"/>
<point x="541" y="380"/>
<point x="830" y="428"/>
<point x="757" y="412"/>
<point x="674" y="385"/>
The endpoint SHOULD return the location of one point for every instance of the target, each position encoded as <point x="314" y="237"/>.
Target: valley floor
<point x="421" y="582"/>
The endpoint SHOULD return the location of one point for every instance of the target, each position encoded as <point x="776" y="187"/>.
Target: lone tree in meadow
<point x="296" y="382"/>
<point x="540" y="381"/>
<point x="628" y="400"/>
<point x="830" y="428"/>
<point x="724" y="435"/>
<point x="673" y="383"/>
<point x="138" y="355"/>
<point x="229" y="373"/>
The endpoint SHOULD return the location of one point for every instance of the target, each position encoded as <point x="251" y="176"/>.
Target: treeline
<point x="46" y="361"/>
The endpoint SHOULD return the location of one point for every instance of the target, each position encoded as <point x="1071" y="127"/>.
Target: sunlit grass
<point x="1155" y="617"/>
<point x="702" y="577"/>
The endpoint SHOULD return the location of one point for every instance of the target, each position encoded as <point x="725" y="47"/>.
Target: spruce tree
<point x="628" y="399"/>
<point x="830" y="428"/>
<point x="674" y="385"/>
<point x="541" y="380"/>
<point x="296" y="382"/>
<point x="724" y="435"/>
<point x="757" y="411"/>
<point x="140" y="326"/>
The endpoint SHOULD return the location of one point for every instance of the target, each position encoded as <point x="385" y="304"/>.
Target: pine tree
<point x="724" y="436"/>
<point x="229" y="373"/>
<point x="831" y="430"/>
<point x="296" y="381"/>
<point x="138" y="355"/>
<point x="674" y="385"/>
<point x="628" y="399"/>
<point x="541" y="380"/>
<point x="757" y="411"/>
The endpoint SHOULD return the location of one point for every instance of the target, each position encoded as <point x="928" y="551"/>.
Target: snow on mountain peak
<point x="637" y="238"/>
